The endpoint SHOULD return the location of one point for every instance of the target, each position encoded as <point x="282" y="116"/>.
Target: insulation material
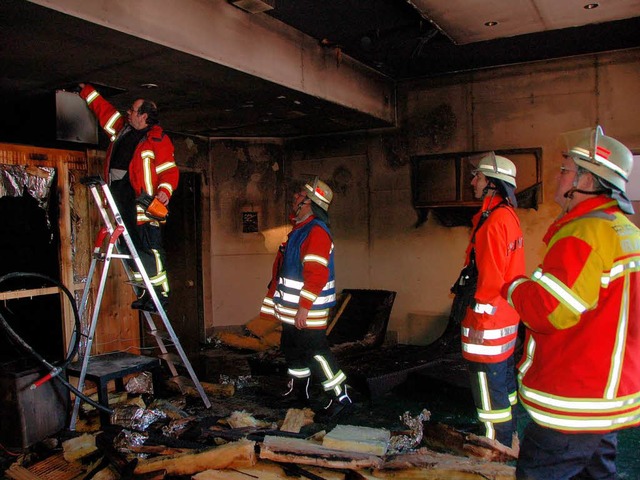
<point x="350" y="438"/>
<point x="16" y="180"/>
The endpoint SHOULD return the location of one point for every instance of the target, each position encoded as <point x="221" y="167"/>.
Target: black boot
<point x="146" y="303"/>
<point x="298" y="391"/>
<point x="141" y="301"/>
<point x="338" y="404"/>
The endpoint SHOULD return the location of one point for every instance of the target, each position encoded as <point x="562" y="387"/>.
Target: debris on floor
<point x="233" y="439"/>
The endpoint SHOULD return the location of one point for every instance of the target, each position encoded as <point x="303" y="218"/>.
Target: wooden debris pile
<point x="240" y="446"/>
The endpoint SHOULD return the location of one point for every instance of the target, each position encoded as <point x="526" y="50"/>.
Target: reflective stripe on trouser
<point x="152" y="256"/>
<point x="308" y="349"/>
<point x="547" y="454"/>
<point x="153" y="263"/>
<point x="494" y="392"/>
<point x="332" y="379"/>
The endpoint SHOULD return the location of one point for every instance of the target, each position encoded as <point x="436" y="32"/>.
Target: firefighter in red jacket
<point x="139" y="164"/>
<point x="580" y="376"/>
<point x="494" y="256"/>
<point x="301" y="293"/>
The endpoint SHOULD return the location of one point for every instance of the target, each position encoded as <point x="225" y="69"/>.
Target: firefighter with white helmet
<point x="300" y="295"/>
<point x="607" y="159"/>
<point x="580" y="379"/>
<point x="489" y="325"/>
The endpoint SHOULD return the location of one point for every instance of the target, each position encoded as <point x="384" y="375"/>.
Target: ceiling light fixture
<point x="490" y="24"/>
<point x="149" y="85"/>
<point x="591" y="6"/>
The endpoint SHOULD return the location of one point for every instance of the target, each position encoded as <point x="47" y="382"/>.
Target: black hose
<point x="74" y="349"/>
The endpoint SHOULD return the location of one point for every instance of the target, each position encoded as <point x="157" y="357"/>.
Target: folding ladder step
<point x="171" y="358"/>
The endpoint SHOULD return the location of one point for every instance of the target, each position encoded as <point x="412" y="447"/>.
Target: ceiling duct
<point x="254" y="6"/>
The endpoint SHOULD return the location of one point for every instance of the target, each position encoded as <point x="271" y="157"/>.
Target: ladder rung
<point x="171" y="358"/>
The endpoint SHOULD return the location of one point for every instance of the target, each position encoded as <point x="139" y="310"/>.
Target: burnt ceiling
<point x="42" y="50"/>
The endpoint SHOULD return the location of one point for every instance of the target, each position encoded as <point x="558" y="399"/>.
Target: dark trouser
<point x="547" y="454"/>
<point x="307" y="353"/>
<point x="494" y="393"/>
<point x="146" y="238"/>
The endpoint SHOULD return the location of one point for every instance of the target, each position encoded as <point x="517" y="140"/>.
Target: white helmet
<point x="603" y="156"/>
<point x="495" y="166"/>
<point x="319" y="193"/>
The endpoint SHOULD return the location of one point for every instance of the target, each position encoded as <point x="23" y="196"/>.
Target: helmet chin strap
<point x="574" y="189"/>
<point x="484" y="194"/>
<point x="299" y="207"/>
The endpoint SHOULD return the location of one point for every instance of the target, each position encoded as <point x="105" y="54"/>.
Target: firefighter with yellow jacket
<point x="580" y="376"/>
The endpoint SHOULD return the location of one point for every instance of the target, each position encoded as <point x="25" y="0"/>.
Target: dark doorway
<point x="29" y="242"/>
<point x="183" y="244"/>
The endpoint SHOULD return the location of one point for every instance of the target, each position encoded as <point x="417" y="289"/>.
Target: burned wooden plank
<point x="425" y="463"/>
<point x="441" y="436"/>
<point x="293" y="450"/>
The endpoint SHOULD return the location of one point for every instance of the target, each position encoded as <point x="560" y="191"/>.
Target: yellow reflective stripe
<point x="315" y="258"/>
<point x="560" y="291"/>
<point x="572" y="423"/>
<point x="485" y="399"/>
<point x="619" y="269"/>
<point x="299" y="372"/>
<point x="526" y="364"/>
<point x="166" y="186"/>
<point x="613" y="382"/>
<point x="92" y="96"/>
<point x="308" y="295"/>
<point x="164" y="167"/>
<point x="513" y="398"/>
<point x="316" y="318"/>
<point x="147" y="155"/>
<point x="495" y="416"/>
<point x="582" y="405"/>
<point x="512" y="287"/>
<point x="333" y="380"/>
<point x="111" y="122"/>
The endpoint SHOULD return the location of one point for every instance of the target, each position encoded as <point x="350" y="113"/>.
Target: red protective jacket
<point x="499" y="254"/>
<point x="315" y="252"/>
<point x="153" y="166"/>
<point x="581" y="371"/>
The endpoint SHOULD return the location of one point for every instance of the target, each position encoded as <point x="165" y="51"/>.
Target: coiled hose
<point x="54" y="370"/>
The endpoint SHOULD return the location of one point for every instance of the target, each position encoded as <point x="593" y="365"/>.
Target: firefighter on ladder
<point x="142" y="174"/>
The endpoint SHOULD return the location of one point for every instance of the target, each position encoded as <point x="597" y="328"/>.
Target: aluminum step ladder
<point x="115" y="229"/>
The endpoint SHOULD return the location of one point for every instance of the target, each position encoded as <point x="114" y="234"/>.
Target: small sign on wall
<point x="633" y="186"/>
<point x="249" y="222"/>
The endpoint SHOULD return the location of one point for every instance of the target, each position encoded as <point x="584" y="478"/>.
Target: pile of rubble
<point x="152" y="438"/>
